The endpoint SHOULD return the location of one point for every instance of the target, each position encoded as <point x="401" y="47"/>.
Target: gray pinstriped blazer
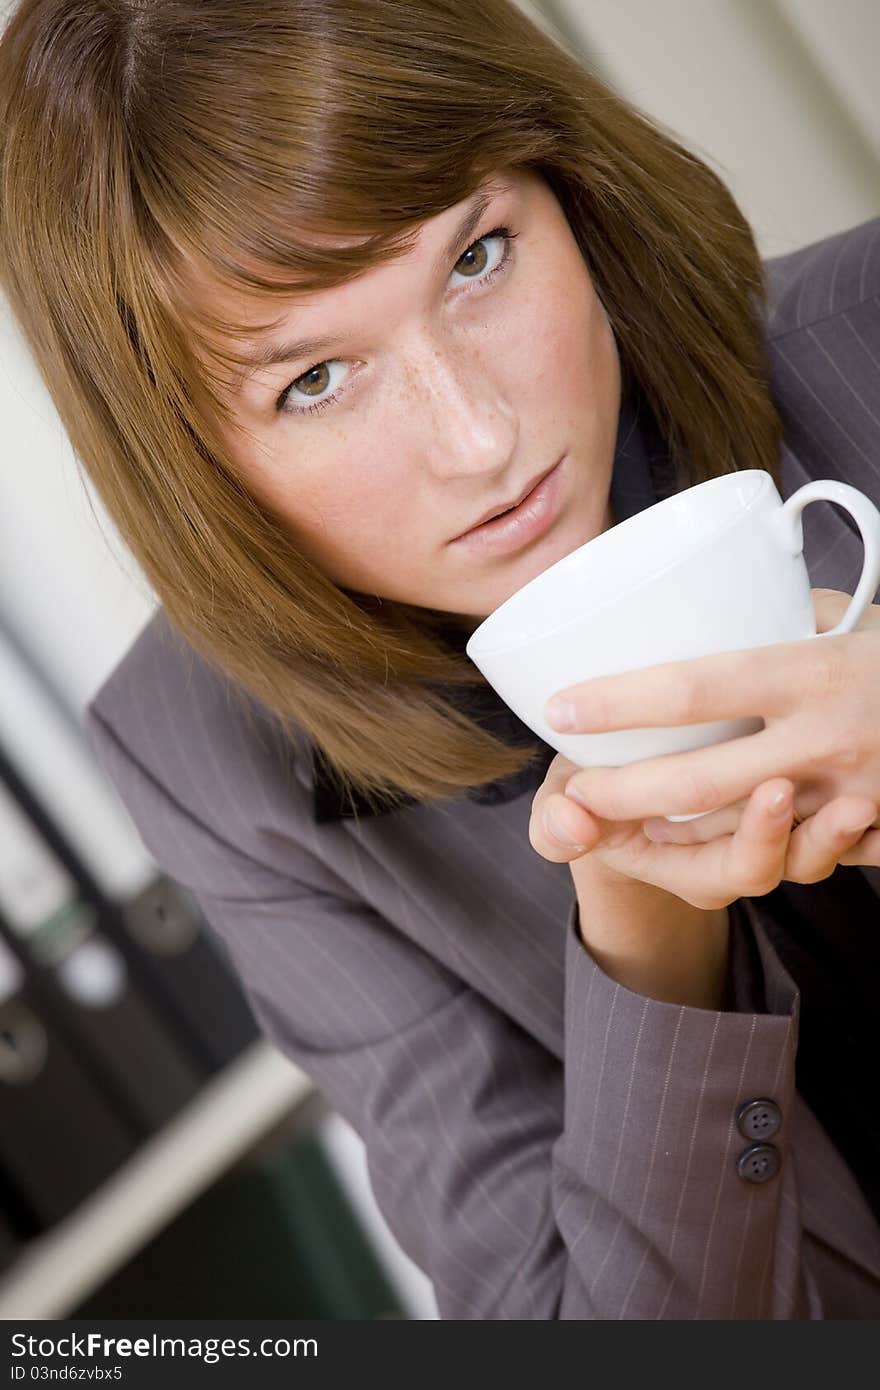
<point x="544" y="1142"/>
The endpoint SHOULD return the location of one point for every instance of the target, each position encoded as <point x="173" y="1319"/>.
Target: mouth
<point x="523" y="523"/>
<point x="505" y="508"/>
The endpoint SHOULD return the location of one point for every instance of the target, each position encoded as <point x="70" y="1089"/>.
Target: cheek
<point x="349" y="506"/>
<point x="570" y="349"/>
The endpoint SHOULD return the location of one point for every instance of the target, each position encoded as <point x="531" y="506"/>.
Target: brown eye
<point x="307" y="380"/>
<point x="312" y="385"/>
<point x="475" y="258"/>
<point x="477" y="252"/>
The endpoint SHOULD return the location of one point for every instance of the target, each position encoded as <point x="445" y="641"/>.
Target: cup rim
<point x="475" y="647"/>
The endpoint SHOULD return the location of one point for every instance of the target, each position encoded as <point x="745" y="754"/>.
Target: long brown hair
<point x="148" y="144"/>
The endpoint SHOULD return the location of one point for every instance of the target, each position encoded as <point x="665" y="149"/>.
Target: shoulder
<point x="157" y="653"/>
<point x="823" y="280"/>
<point x="822" y="332"/>
<point x="163" y="695"/>
<point x="186" y="746"/>
<point x="159" y="687"/>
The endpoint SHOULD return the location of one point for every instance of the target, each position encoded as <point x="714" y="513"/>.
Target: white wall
<point x="779" y="96"/>
<point x="68" y="587"/>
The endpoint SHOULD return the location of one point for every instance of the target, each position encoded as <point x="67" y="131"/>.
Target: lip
<point x="534" y="515"/>
<point x="493" y="512"/>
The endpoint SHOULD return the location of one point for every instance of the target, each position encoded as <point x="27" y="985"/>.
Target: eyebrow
<point x="272" y="354"/>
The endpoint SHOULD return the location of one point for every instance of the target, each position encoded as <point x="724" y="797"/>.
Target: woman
<point x="582" y="1089"/>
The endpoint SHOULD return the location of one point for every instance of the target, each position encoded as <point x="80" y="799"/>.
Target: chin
<point x="558" y="542"/>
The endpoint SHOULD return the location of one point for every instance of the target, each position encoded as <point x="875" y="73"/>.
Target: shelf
<point x="60" y="1268"/>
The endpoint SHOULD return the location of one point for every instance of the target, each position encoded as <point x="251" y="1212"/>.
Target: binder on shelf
<point x="9" y="1242"/>
<point x="275" y="1237"/>
<point x="59" y="1137"/>
<point x="183" y="958"/>
<point x="344" y="1272"/>
<point x="82" y="981"/>
<point x="154" y="923"/>
<point x="17" y="1212"/>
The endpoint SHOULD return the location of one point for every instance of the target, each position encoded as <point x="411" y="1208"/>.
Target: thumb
<point x="561" y="830"/>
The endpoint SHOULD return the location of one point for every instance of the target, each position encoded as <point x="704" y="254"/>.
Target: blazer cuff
<point x="652" y="1092"/>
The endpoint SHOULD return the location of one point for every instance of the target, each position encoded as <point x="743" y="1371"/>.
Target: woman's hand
<point x="819" y="703"/>
<point x="747" y="862"/>
<point x="826" y="824"/>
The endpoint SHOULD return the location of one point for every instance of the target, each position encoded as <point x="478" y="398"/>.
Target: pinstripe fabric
<point x="544" y="1142"/>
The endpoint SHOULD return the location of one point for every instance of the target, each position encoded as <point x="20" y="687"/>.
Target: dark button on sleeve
<point x="759" y="1163"/>
<point x="758" y="1119"/>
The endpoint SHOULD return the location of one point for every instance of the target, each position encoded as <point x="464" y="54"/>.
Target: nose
<point x="468" y="426"/>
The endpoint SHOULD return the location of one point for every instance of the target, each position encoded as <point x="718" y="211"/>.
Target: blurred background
<point x="158" y="1158"/>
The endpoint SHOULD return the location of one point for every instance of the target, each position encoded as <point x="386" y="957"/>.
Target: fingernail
<point x="780" y="803"/>
<point x="859" y="827"/>
<point x="559" y="714"/>
<point x="558" y="832"/>
<point x="574" y="794"/>
<point x="657" y="830"/>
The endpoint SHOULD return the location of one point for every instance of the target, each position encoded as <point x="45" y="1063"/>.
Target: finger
<point x="724" y="685"/>
<point x="558" y="773"/>
<point x="865" y="851"/>
<point x="561" y="839"/>
<point x="561" y="831"/>
<point x="751" y="862"/>
<point x="555" y="778"/>
<point x="748" y="863"/>
<point x="695" y="832"/>
<point x="702" y="779"/>
<point x="816" y="846"/>
<point x="829" y="606"/>
<point x="837" y="823"/>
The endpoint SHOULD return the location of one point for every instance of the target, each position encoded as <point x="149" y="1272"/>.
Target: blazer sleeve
<point x="603" y="1185"/>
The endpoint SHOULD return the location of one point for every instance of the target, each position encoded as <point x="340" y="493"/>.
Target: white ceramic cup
<point x="716" y="567"/>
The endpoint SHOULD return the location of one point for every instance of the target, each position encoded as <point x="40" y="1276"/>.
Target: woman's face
<point x="461" y="375"/>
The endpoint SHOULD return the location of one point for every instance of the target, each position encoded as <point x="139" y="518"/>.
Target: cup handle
<point x="787" y="521"/>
